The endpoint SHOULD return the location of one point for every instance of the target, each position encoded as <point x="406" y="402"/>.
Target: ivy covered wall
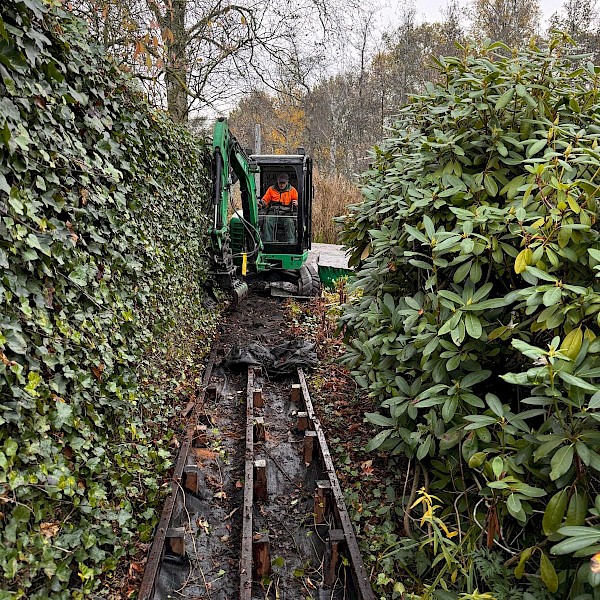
<point x="102" y="231"/>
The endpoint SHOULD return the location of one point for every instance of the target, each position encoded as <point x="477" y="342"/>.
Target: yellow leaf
<point x="525" y="556"/>
<point x="523" y="259"/>
<point x="539" y="223"/>
<point x="366" y="252"/>
<point x="572" y="343"/>
<point x="573" y="205"/>
<point x="595" y="563"/>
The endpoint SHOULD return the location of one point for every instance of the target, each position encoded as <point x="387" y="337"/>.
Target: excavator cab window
<point x="285" y="231"/>
<point x="280" y="221"/>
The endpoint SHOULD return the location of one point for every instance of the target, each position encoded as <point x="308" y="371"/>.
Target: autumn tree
<point x="579" y="19"/>
<point x="451" y="29"/>
<point x="510" y="21"/>
<point x="192" y="55"/>
<point x="339" y="116"/>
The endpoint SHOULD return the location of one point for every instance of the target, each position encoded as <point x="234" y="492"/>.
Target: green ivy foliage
<point x="478" y="252"/>
<point x="102" y="255"/>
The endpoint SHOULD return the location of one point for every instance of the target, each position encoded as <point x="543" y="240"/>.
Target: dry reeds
<point x="332" y="195"/>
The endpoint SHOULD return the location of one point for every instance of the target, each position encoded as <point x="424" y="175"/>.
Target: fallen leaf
<point x="135" y="567"/>
<point x="49" y="530"/>
<point x="203" y="524"/>
<point x="204" y="454"/>
<point x="97" y="371"/>
<point x="367" y="467"/>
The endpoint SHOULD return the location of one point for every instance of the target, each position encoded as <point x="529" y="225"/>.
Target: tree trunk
<point x="176" y="68"/>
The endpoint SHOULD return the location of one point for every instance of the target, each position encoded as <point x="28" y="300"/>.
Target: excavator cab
<point x="285" y="231"/>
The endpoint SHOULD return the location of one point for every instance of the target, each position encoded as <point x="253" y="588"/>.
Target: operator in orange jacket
<point x="280" y="203"/>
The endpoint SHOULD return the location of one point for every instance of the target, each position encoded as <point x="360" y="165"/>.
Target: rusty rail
<point x="246" y="552"/>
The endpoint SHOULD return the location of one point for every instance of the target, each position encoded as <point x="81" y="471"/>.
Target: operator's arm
<point x="268" y="197"/>
<point x="294" y="196"/>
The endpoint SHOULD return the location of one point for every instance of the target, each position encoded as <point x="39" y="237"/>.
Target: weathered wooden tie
<point x="259" y="430"/>
<point x="258" y="398"/>
<point x="310" y="437"/>
<point x="192" y="479"/>
<point x="303" y="423"/>
<point x="175" y="541"/>
<point x="323" y="499"/>
<point x="261" y="565"/>
<point x="333" y="556"/>
<point x="296" y="394"/>
<point x="260" y="480"/>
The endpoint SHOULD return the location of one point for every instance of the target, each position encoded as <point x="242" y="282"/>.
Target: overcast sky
<point x="430" y="10"/>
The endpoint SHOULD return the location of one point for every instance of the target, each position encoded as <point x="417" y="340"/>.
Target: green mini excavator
<point x="269" y="244"/>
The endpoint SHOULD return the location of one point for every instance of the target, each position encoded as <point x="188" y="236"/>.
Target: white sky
<point x="430" y="10"/>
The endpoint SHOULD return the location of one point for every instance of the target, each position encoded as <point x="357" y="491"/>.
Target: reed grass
<point x="332" y="195"/>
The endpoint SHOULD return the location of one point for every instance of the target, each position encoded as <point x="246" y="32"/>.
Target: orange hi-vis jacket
<point x="286" y="197"/>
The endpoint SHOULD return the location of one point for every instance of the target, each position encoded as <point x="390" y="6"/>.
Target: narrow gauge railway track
<point x="256" y="509"/>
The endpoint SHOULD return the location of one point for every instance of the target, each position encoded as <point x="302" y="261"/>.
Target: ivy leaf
<point x="64" y="413"/>
<point x="3" y="259"/>
<point x="16" y="342"/>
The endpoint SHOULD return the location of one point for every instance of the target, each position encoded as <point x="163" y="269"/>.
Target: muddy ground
<point x="213" y="518"/>
<point x="212" y="571"/>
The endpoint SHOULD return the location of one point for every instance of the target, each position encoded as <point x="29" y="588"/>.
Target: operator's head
<point x="282" y="179"/>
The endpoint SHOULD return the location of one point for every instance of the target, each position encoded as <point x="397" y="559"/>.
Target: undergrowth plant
<point x="102" y="234"/>
<point x="477" y="253"/>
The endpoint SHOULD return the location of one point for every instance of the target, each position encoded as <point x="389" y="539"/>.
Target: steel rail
<point x="358" y="568"/>
<point x="246" y="551"/>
